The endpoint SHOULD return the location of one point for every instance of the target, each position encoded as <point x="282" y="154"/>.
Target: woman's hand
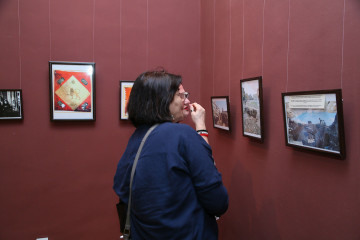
<point x="198" y="116"/>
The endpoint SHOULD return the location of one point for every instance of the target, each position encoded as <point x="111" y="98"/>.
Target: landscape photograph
<point x="251" y="108"/>
<point x="314" y="128"/>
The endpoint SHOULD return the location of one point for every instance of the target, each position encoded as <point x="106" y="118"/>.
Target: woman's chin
<point x="186" y="113"/>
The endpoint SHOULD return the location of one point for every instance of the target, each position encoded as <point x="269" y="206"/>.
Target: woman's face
<point x="179" y="107"/>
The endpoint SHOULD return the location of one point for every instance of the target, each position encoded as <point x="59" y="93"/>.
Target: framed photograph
<point x="11" y="104"/>
<point x="314" y="121"/>
<point x="125" y="89"/>
<point x="252" y="108"/>
<point x="72" y="91"/>
<point x="221" y="112"/>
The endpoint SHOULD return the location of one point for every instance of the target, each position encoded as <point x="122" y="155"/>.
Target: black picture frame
<point x="72" y="91"/>
<point x="221" y="112"/>
<point x="252" y="108"/>
<point x="313" y="120"/>
<point x="125" y="89"/>
<point x="11" y="104"/>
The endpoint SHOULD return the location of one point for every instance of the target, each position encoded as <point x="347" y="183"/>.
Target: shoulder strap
<point x="128" y="218"/>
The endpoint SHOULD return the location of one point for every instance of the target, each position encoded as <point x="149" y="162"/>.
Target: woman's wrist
<point x="203" y="132"/>
<point x="200" y="127"/>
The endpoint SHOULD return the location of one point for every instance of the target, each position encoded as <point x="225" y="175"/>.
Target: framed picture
<point x="314" y="121"/>
<point x="252" y="108"/>
<point x="72" y="91"/>
<point x="125" y="89"/>
<point x="221" y="112"/>
<point x="11" y="104"/>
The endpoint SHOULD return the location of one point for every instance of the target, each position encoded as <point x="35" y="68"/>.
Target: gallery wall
<point x="56" y="177"/>
<point x="278" y="192"/>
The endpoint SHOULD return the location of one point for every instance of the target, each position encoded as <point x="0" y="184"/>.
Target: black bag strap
<point x="128" y="217"/>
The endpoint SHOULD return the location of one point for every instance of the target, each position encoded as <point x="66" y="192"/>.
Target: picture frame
<point x="252" y="108"/>
<point x="221" y="112"/>
<point x="72" y="91"/>
<point x="125" y="90"/>
<point x="313" y="120"/>
<point x="11" y="104"/>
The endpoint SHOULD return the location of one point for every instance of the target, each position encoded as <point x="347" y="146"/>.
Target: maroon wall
<point x="277" y="192"/>
<point x="56" y="177"/>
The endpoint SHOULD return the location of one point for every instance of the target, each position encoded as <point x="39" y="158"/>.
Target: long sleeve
<point x="205" y="177"/>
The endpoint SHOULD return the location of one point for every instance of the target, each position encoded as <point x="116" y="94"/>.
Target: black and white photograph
<point x="221" y="112"/>
<point x="11" y="104"/>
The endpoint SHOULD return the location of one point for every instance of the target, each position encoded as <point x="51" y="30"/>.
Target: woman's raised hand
<point x="198" y="116"/>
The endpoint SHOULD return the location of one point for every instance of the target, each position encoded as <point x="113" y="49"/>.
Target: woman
<point x="177" y="190"/>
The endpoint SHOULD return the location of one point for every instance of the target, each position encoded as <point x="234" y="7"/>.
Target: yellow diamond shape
<point x="73" y="93"/>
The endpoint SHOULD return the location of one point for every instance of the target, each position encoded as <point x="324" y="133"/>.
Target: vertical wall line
<point x="230" y="43"/>
<point x="120" y="39"/>
<point x="288" y="51"/>
<point x="243" y="43"/>
<point x="147" y="34"/>
<point x="213" y="73"/>
<point x="342" y="47"/>
<point x="263" y="40"/>
<point x="19" y="43"/>
<point x="200" y="75"/>
<point x="50" y="40"/>
<point x="93" y="33"/>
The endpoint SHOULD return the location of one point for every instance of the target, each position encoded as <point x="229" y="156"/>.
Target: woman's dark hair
<point x="151" y="96"/>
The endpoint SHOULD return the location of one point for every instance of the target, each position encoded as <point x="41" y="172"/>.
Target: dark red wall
<point x="277" y="192"/>
<point x="56" y="177"/>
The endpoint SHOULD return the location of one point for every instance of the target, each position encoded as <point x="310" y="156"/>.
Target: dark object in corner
<point x="121" y="210"/>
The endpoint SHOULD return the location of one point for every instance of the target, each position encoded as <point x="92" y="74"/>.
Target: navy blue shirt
<point x="177" y="190"/>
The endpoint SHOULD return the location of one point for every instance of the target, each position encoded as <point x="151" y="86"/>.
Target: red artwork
<point x="127" y="96"/>
<point x="72" y="91"/>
